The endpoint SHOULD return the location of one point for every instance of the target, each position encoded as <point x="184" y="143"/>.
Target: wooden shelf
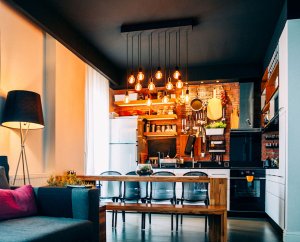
<point x="143" y="102"/>
<point x="159" y="117"/>
<point x="160" y="134"/>
<point x="267" y="105"/>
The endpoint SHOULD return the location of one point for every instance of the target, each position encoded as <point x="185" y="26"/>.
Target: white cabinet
<point x="275" y="207"/>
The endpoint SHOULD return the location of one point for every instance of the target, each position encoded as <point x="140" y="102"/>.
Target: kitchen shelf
<point x="159" y="117"/>
<point x="267" y="105"/>
<point x="273" y="124"/>
<point x="159" y="134"/>
<point x="143" y="103"/>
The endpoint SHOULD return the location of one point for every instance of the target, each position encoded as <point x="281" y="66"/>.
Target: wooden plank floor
<point x="252" y="230"/>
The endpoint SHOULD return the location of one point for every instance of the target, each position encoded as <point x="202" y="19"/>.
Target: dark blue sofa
<point x="64" y="214"/>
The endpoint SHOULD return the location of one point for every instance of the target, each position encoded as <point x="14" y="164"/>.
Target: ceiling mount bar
<point x="166" y="24"/>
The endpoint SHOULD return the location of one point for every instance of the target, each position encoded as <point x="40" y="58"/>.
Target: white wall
<point x="30" y="60"/>
<point x="292" y="231"/>
<point x="21" y="68"/>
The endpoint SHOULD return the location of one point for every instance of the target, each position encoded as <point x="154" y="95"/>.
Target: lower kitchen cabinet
<point x="275" y="208"/>
<point x="275" y="197"/>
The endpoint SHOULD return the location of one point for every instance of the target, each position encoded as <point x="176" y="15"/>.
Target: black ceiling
<point x="230" y="39"/>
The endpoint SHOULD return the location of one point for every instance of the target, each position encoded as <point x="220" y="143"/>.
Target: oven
<point x="247" y="190"/>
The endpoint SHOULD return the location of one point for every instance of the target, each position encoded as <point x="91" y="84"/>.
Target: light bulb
<point x="151" y="85"/>
<point x="149" y="101"/>
<point x="187" y="96"/>
<point x="176" y="73"/>
<point x="179" y="83"/>
<point x="140" y="75"/>
<point x="165" y="98"/>
<point x="158" y="74"/>
<point x="138" y="86"/>
<point x="131" y="78"/>
<point x="126" y="98"/>
<point x="169" y="85"/>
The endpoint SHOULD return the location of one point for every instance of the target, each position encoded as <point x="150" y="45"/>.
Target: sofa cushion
<point x="3" y="180"/>
<point x="17" y="203"/>
<point x="54" y="201"/>
<point x="46" y="229"/>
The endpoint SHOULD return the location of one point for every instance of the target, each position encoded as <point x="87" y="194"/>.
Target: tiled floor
<point x="192" y="230"/>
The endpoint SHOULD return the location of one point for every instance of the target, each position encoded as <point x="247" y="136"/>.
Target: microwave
<point x="245" y="147"/>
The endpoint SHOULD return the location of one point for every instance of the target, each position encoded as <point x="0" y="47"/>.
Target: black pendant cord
<point x="132" y="53"/>
<point x="151" y="52"/>
<point x="169" y="53"/>
<point x="187" y="55"/>
<point x="149" y="39"/>
<point x="179" y="48"/>
<point x="127" y="62"/>
<point x="140" y="43"/>
<point x="158" y="41"/>
<point x="165" y="57"/>
<point x="176" y="49"/>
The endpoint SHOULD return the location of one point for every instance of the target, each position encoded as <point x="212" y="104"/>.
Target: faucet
<point x="193" y="159"/>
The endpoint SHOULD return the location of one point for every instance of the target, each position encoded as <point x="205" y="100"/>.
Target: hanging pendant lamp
<point x="126" y="98"/>
<point x="158" y="73"/>
<point x="140" y="75"/>
<point x="169" y="85"/>
<point x="151" y="85"/>
<point x="131" y="78"/>
<point x="177" y="73"/>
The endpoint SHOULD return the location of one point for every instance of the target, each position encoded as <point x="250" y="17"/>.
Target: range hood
<point x="246" y="105"/>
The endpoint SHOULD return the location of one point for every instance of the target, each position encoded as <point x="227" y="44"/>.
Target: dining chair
<point x="161" y="192"/>
<point x="111" y="191"/>
<point x="194" y="193"/>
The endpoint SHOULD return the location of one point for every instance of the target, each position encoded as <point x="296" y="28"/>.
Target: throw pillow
<point x="3" y="180"/>
<point x="17" y="203"/>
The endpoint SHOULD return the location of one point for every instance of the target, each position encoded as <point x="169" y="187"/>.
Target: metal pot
<point x="196" y="104"/>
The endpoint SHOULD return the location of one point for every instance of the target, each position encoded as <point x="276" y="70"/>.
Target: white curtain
<point x="96" y="122"/>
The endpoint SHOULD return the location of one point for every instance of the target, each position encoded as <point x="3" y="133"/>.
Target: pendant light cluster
<point x="159" y="74"/>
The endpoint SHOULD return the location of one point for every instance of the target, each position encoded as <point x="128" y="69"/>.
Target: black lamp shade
<point x="23" y="108"/>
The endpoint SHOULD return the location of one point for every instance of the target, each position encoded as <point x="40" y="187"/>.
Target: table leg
<point x="218" y="228"/>
<point x="102" y="224"/>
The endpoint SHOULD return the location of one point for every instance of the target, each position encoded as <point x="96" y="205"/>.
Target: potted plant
<point x="215" y="128"/>
<point x="144" y="169"/>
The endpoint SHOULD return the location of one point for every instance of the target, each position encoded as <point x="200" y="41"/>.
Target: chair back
<point x="131" y="188"/>
<point x="162" y="190"/>
<point x="195" y="191"/>
<point x="110" y="189"/>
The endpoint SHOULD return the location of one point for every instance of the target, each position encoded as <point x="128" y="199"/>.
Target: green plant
<point x="216" y="125"/>
<point x="61" y="181"/>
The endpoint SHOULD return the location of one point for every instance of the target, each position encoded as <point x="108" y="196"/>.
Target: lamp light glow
<point x="158" y="74"/>
<point x="151" y="85"/>
<point x="179" y="83"/>
<point x="169" y="85"/>
<point x="138" y="86"/>
<point x="126" y="98"/>
<point x="176" y="73"/>
<point x="131" y="78"/>
<point x="140" y="75"/>
<point x="166" y="98"/>
<point x="187" y="96"/>
<point x="149" y="101"/>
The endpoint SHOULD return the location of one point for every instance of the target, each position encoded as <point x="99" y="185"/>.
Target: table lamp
<point x="23" y="111"/>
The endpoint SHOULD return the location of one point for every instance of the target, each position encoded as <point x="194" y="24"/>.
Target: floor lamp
<point x="23" y="111"/>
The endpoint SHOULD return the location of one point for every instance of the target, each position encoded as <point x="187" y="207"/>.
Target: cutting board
<point x="214" y="107"/>
<point x="234" y="119"/>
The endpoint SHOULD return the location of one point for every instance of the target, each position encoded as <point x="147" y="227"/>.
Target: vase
<point x="4" y="163"/>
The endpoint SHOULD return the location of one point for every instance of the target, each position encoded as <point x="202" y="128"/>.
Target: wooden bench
<point x="217" y="214"/>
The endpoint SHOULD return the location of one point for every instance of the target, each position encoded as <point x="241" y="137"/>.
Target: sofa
<point x="63" y="214"/>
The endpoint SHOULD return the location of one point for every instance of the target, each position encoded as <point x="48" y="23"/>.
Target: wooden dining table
<point x="217" y="197"/>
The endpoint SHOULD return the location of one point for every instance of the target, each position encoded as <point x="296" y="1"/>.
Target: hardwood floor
<point x="192" y="230"/>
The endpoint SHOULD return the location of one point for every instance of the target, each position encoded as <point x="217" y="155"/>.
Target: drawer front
<point x="275" y="208"/>
<point x="277" y="189"/>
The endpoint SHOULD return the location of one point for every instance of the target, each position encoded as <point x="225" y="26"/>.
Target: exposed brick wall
<point x="206" y="90"/>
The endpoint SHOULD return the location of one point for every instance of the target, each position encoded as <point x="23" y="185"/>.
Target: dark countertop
<point x="212" y="165"/>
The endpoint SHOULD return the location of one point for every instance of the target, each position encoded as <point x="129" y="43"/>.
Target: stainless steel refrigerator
<point x="123" y="144"/>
